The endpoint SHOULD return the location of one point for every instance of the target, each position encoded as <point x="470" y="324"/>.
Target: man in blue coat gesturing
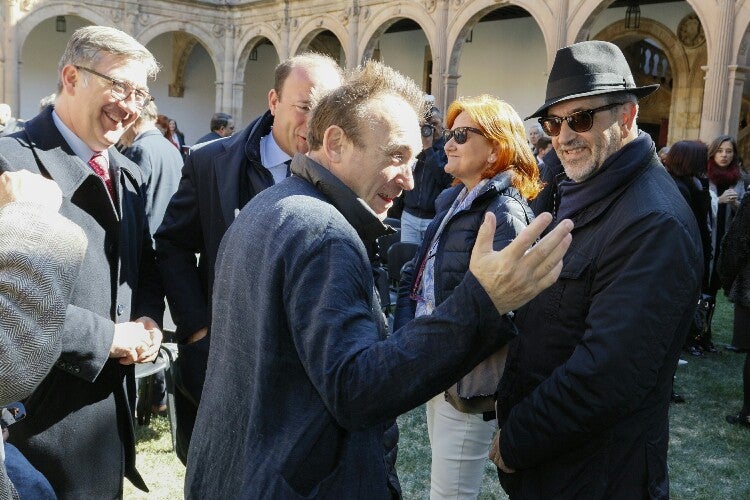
<point x="584" y="400"/>
<point x="303" y="383"/>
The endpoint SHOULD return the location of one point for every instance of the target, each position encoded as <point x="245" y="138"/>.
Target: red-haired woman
<point x="494" y="171"/>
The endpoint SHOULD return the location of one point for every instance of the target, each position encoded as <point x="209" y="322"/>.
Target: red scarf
<point x="723" y="178"/>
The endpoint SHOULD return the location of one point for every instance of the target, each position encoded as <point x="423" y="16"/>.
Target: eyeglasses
<point x="121" y="90"/>
<point x="580" y="121"/>
<point x="459" y="134"/>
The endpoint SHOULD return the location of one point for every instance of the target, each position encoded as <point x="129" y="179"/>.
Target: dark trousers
<point x="190" y="373"/>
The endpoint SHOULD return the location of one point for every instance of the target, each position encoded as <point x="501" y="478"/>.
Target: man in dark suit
<point x="218" y="179"/>
<point x="79" y="430"/>
<point x="222" y="125"/>
<point x="160" y="164"/>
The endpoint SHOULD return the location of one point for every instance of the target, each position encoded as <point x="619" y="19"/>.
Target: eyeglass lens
<point x="458" y="134"/>
<point x="579" y="122"/>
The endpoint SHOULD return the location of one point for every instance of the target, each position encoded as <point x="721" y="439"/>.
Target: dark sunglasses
<point x="459" y="134"/>
<point x="580" y="121"/>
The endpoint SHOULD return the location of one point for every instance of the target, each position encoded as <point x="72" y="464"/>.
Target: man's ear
<point x="627" y="117"/>
<point x="70" y="77"/>
<point x="273" y="101"/>
<point x="334" y="142"/>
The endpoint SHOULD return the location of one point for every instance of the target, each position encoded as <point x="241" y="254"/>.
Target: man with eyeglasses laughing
<point x="79" y="429"/>
<point x="583" y="404"/>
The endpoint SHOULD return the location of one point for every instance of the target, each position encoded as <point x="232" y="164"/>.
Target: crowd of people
<point x="525" y="319"/>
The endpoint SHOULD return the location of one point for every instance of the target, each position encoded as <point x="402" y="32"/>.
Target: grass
<point x="708" y="458"/>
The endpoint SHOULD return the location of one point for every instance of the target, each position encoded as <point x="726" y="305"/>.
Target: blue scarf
<point x="616" y="171"/>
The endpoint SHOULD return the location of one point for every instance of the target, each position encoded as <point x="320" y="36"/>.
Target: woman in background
<point x="174" y="135"/>
<point x="686" y="161"/>
<point x="727" y="190"/>
<point x="495" y="171"/>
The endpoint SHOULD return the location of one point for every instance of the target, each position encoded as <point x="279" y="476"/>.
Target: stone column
<point x="219" y="101"/>
<point x="561" y="34"/>
<point x="11" y="65"/>
<point x="734" y="102"/>
<point x="227" y="70"/>
<point x="439" y="55"/>
<point x="238" y="96"/>
<point x="715" y="97"/>
<point x="451" y="89"/>
<point x="351" y="16"/>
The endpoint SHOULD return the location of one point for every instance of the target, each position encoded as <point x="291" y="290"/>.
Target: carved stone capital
<point x="690" y="31"/>
<point x="27" y="5"/>
<point x="430" y="5"/>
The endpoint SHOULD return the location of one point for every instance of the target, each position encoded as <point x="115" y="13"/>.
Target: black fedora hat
<point x="589" y="68"/>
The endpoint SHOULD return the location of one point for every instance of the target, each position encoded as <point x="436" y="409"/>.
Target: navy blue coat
<point x="512" y="214"/>
<point x="160" y="164"/>
<point x="583" y="403"/>
<point x="303" y="381"/>
<point x="198" y="216"/>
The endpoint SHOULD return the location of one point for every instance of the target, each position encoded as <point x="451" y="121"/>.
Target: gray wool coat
<point x="40" y="255"/>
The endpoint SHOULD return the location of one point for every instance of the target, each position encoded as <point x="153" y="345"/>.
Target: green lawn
<point x="708" y="458"/>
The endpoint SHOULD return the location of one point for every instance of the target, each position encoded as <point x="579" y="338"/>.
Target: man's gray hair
<point x="219" y="120"/>
<point x="89" y="44"/>
<point x="347" y="105"/>
<point x="538" y="128"/>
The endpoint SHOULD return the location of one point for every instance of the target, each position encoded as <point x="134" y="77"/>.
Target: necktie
<point x="98" y="164"/>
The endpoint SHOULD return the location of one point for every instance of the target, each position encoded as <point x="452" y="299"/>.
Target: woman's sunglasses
<point x="580" y="121"/>
<point x="460" y="134"/>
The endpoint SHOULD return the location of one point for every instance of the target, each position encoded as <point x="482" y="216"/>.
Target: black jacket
<point x="430" y="179"/>
<point x="457" y="240"/>
<point x="583" y="403"/>
<point x="199" y="214"/>
<point x="695" y="191"/>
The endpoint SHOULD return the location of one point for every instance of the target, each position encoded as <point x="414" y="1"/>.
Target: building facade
<point x="219" y="56"/>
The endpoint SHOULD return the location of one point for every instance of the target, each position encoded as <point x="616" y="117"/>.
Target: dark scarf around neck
<point x="723" y="178"/>
<point x="616" y="170"/>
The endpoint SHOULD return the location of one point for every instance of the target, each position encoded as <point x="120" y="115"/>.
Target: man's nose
<point x="406" y="178"/>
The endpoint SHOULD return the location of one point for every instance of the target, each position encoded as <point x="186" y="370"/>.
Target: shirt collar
<point x="270" y="152"/>
<point x="79" y="147"/>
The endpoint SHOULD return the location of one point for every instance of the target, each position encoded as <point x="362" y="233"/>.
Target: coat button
<point x="76" y="369"/>
<point x="120" y="309"/>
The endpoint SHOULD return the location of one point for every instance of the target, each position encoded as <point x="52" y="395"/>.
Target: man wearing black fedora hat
<point x="583" y="404"/>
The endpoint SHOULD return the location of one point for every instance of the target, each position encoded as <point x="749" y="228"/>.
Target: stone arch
<point x="161" y="27"/>
<point x="248" y="42"/>
<point x="186" y="35"/>
<point x="44" y="12"/>
<point x="687" y="85"/>
<point x="313" y="27"/>
<point x="375" y="26"/>
<point x="467" y="19"/>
